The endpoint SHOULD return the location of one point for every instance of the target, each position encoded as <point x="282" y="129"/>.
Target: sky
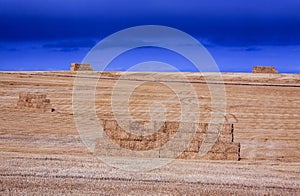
<point x="50" y="35"/>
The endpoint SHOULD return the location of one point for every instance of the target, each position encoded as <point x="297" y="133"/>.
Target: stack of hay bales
<point x="34" y="101"/>
<point x="223" y="149"/>
<point x="80" y="67"/>
<point x="264" y="69"/>
<point x="138" y="142"/>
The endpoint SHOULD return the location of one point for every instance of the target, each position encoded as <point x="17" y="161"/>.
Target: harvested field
<point x="56" y="174"/>
<point x="41" y="151"/>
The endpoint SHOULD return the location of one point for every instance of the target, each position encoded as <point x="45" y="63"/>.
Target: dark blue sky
<point x="49" y="35"/>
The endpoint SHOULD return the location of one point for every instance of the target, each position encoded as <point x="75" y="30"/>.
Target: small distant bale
<point x="34" y="101"/>
<point x="80" y="67"/>
<point x="264" y="69"/>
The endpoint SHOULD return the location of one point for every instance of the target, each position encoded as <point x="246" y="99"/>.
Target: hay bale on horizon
<point x="80" y="67"/>
<point x="264" y="69"/>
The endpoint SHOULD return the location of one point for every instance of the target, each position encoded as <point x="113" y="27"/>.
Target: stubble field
<point x="42" y="152"/>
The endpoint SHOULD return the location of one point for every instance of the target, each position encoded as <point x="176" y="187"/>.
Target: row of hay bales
<point x="223" y="149"/>
<point x="256" y="69"/>
<point x="34" y="101"/>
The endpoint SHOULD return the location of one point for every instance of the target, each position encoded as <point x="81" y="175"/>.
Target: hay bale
<point x="232" y="156"/>
<point x="110" y="125"/>
<point x="214" y="156"/>
<point x="225" y="147"/>
<point x="80" y="67"/>
<point x="34" y="102"/>
<point x="193" y="146"/>
<point x="264" y="69"/>
<point x="188" y="155"/>
<point x="233" y="148"/>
